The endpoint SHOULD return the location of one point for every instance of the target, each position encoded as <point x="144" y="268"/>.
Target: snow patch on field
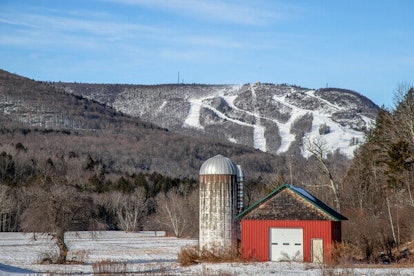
<point x="141" y="253"/>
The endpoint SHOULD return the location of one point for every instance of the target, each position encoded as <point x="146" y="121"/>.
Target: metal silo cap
<point x="218" y="165"/>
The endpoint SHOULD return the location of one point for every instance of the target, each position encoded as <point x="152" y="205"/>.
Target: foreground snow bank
<point x="140" y="253"/>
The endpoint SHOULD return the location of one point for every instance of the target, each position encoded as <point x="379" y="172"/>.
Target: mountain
<point x="41" y="122"/>
<point x="272" y="118"/>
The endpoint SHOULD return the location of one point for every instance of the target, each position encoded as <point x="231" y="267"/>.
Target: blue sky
<point x="366" y="46"/>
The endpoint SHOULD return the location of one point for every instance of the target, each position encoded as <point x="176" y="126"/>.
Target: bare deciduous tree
<point x="55" y="207"/>
<point x="130" y="209"/>
<point x="317" y="147"/>
<point x="177" y="213"/>
<point x="9" y="209"/>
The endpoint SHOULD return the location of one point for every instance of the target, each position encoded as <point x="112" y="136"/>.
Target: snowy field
<point x="143" y="253"/>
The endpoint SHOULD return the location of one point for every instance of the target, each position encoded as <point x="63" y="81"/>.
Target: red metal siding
<point x="255" y="236"/>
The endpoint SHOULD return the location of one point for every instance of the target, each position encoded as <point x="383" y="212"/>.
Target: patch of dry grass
<point x="109" y="268"/>
<point x="193" y="255"/>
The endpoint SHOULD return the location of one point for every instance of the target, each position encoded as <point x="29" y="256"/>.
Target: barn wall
<point x="255" y="236"/>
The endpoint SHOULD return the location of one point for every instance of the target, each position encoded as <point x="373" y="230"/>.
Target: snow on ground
<point x="329" y="107"/>
<point x="193" y="118"/>
<point x="285" y="128"/>
<point x="339" y="136"/>
<point x="164" y="103"/>
<point x="259" y="140"/>
<point x="141" y="253"/>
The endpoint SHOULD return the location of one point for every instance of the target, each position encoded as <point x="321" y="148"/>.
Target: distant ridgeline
<point x="273" y="118"/>
<point x="44" y="121"/>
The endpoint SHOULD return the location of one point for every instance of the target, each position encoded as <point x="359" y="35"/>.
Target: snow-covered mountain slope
<point x="269" y="117"/>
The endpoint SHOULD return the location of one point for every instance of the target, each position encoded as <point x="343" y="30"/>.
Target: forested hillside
<point x="50" y="122"/>
<point x="275" y="118"/>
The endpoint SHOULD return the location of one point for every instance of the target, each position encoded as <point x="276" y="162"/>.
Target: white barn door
<point x="286" y="244"/>
<point x="317" y="251"/>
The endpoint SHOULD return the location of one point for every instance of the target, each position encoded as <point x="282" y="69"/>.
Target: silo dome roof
<point x="218" y="165"/>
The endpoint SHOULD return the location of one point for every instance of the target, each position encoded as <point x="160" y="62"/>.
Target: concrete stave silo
<point x="219" y="201"/>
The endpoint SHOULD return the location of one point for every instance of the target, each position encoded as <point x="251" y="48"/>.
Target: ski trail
<point x="193" y="117"/>
<point x="338" y="137"/>
<point x="259" y="140"/>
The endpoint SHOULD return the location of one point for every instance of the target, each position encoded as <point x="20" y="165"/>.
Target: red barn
<point x="289" y="224"/>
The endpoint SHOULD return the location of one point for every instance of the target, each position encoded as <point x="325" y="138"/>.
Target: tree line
<point x="377" y="191"/>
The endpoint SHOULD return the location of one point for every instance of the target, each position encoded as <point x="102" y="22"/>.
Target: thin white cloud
<point x="69" y="30"/>
<point x="99" y="36"/>
<point x="93" y="26"/>
<point x="94" y="30"/>
<point x="214" y="42"/>
<point x="239" y="12"/>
